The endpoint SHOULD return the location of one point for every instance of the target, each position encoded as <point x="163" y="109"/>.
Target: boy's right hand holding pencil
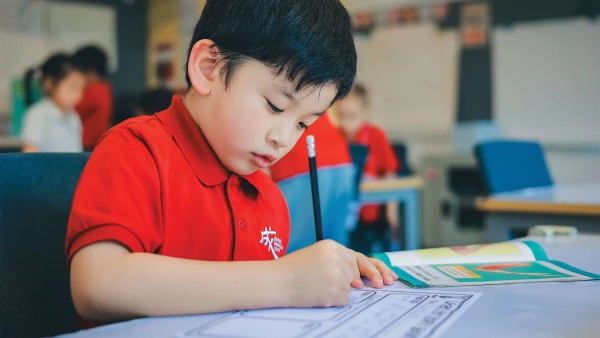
<point x="323" y="274"/>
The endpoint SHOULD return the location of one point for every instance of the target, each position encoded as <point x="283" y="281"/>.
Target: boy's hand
<point x="322" y="274"/>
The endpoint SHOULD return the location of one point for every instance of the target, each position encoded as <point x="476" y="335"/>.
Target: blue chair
<point x="512" y="165"/>
<point x="359" y="154"/>
<point x="402" y="155"/>
<point x="35" y="202"/>
<point x="338" y="191"/>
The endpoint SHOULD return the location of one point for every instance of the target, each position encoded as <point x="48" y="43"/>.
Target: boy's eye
<point x="273" y="108"/>
<point x="302" y="125"/>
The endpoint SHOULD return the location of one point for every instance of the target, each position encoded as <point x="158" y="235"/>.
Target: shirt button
<point x="242" y="224"/>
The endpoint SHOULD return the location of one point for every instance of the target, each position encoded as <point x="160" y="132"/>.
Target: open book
<point x="500" y="263"/>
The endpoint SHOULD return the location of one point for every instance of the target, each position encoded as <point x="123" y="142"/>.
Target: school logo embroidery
<point x="269" y="239"/>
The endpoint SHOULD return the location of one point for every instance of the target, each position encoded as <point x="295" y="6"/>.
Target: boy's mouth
<point x="263" y="160"/>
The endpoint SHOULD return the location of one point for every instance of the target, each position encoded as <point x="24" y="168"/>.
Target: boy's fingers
<point x="350" y="257"/>
<point x="358" y="284"/>
<point x="369" y="270"/>
<point x="388" y="275"/>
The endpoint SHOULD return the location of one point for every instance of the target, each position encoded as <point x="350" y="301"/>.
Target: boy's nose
<point x="279" y="138"/>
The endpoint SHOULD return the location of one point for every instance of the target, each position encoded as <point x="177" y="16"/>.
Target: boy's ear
<point x="201" y="66"/>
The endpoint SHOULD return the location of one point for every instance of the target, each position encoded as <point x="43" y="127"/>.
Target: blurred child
<point x="353" y="112"/>
<point x="52" y="125"/>
<point x="96" y="106"/>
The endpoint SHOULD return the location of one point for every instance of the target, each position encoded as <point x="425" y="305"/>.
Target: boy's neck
<point x="194" y="104"/>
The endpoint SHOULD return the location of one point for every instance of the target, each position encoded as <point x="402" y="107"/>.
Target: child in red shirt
<point x="172" y="215"/>
<point x="96" y="106"/>
<point x="381" y="163"/>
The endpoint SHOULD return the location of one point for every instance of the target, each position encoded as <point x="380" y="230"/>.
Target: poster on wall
<point x="164" y="64"/>
<point x="474" y="25"/>
<point x="364" y="23"/>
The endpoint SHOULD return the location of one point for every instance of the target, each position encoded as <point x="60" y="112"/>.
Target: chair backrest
<point x="359" y="154"/>
<point x="35" y="201"/>
<point x="512" y="165"/>
<point x="402" y="156"/>
<point x="336" y="192"/>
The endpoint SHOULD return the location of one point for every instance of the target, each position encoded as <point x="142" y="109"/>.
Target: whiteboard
<point x="547" y="81"/>
<point x="73" y="25"/>
<point x="411" y="73"/>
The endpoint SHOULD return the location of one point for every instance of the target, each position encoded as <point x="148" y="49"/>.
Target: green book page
<point x="440" y="275"/>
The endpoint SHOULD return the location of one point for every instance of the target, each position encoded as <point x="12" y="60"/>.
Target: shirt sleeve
<point x="33" y="128"/>
<point x="118" y="197"/>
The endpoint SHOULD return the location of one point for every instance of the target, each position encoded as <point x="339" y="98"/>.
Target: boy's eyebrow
<point x="283" y="91"/>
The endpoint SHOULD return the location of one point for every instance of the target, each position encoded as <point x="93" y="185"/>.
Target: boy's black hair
<point x="310" y="41"/>
<point x="91" y="58"/>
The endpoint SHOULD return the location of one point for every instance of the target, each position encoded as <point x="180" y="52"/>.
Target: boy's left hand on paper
<point x="375" y="270"/>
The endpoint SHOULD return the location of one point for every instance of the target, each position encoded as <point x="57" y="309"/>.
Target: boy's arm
<point x="109" y="283"/>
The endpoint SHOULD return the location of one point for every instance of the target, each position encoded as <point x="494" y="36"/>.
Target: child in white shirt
<point x="52" y="125"/>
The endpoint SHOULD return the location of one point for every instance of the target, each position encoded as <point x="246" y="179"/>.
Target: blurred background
<point x="442" y="75"/>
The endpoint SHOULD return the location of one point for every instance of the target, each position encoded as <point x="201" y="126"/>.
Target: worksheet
<point x="370" y="313"/>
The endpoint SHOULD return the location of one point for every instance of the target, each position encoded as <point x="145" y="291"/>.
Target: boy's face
<point x="351" y="113"/>
<point x="259" y="117"/>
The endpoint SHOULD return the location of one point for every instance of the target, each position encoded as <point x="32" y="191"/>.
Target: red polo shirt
<point x="332" y="149"/>
<point x="381" y="161"/>
<point x="95" y="109"/>
<point x="154" y="184"/>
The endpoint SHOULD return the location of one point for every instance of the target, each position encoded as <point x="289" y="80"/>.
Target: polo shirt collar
<point x="196" y="149"/>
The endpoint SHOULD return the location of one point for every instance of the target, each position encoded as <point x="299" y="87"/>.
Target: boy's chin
<point x="242" y="169"/>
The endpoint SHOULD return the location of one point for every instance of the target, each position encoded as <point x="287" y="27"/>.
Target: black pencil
<point x="314" y="183"/>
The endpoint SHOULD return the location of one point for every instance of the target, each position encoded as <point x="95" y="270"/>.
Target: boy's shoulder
<point x="144" y="128"/>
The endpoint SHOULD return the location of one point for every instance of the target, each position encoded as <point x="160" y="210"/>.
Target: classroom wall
<point x="544" y="82"/>
<point x="546" y="88"/>
<point x="170" y="27"/>
<point x="411" y="74"/>
<point x="131" y="35"/>
<point x="359" y="5"/>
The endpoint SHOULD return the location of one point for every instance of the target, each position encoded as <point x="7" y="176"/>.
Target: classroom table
<point x="576" y="205"/>
<point x="10" y="145"/>
<point x="534" y="310"/>
<point x="405" y="190"/>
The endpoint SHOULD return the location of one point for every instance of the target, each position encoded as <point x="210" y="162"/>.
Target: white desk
<point x="517" y="311"/>
<point x="537" y="310"/>
<point x="576" y="204"/>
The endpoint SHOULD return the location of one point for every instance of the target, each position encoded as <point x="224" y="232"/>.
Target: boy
<point x="172" y="215"/>
<point x="95" y="107"/>
<point x="381" y="163"/>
